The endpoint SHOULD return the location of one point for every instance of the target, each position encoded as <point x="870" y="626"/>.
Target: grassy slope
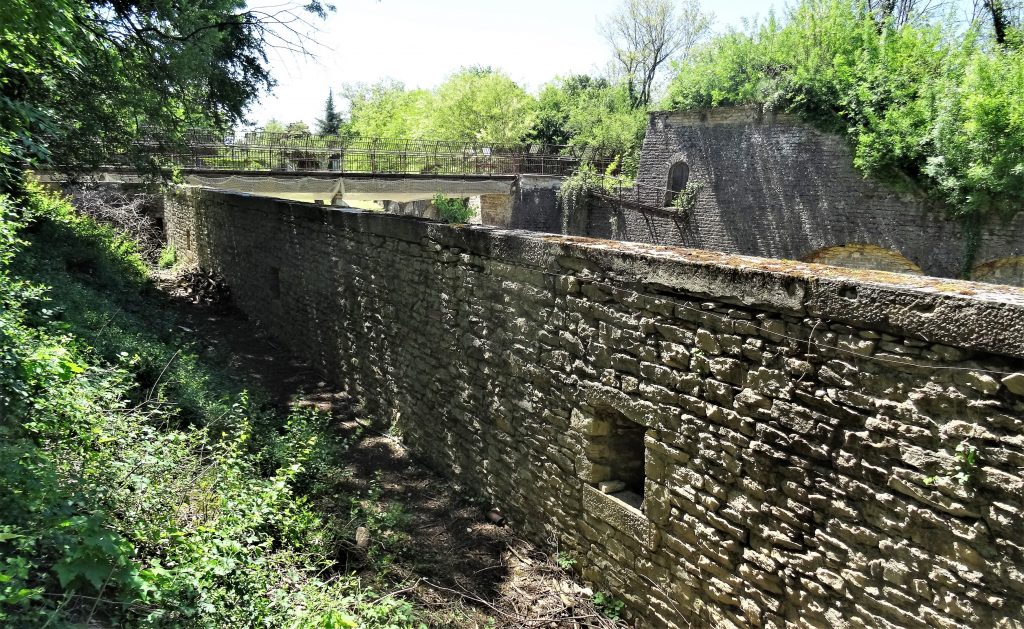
<point x="139" y="484"/>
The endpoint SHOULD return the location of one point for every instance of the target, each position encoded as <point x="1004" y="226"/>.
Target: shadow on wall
<point x="864" y="256"/>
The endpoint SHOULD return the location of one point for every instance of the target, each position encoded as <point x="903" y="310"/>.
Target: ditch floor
<point x="446" y="556"/>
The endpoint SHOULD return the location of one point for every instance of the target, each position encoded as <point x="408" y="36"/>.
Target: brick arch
<point x="1008" y="270"/>
<point x="864" y="256"/>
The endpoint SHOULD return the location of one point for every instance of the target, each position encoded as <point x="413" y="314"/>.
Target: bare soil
<point x="457" y="567"/>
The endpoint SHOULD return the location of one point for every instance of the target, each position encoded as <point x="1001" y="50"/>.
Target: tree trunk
<point x="998" y="12"/>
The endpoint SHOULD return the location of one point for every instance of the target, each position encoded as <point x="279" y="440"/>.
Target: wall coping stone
<point x="969" y="315"/>
<point x="726" y="115"/>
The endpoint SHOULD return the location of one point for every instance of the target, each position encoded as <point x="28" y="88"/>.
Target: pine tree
<point x="330" y="124"/>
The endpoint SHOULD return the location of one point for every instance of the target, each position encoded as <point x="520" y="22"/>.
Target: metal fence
<point x="633" y="194"/>
<point x="284" y="152"/>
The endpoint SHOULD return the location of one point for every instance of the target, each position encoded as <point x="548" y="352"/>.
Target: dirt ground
<point x="455" y="565"/>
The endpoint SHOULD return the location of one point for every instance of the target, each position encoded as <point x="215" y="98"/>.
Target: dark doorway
<point x="678" y="176"/>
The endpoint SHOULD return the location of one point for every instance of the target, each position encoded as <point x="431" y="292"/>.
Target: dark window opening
<point x="620" y="450"/>
<point x="188" y="240"/>
<point x="678" y="176"/>
<point x="275" y="282"/>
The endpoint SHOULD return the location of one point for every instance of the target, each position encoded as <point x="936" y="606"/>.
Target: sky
<point x="420" y="42"/>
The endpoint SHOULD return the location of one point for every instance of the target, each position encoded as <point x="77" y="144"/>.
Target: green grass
<point x="141" y="485"/>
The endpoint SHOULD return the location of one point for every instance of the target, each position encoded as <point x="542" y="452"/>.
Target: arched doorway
<point x="678" y="177"/>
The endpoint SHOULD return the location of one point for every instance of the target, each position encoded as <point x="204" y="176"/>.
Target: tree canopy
<point x="932" y="103"/>
<point x="80" y="78"/>
<point x="645" y="34"/>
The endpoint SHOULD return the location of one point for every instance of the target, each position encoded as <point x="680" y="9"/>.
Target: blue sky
<point x="419" y="42"/>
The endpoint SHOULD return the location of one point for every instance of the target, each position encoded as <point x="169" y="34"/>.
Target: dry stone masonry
<point x="770" y="185"/>
<point x="719" y="441"/>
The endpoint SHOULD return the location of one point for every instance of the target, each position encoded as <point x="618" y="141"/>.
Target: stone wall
<point x="779" y="439"/>
<point x="770" y="185"/>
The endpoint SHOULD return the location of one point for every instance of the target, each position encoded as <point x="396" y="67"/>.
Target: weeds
<point x="138" y="484"/>
<point x="609" y="606"/>
<point x="450" y="210"/>
<point x="168" y="257"/>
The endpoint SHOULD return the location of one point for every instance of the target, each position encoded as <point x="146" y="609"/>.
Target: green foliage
<point x="332" y="122"/>
<point x="686" y="199"/>
<point x="933" y="106"/>
<point x="574" y="195"/>
<point x="79" y="78"/>
<point x="966" y="457"/>
<point x="608" y="605"/>
<point x="565" y="561"/>
<point x="482" y="105"/>
<point x="452" y="210"/>
<point x="473" y="104"/>
<point x="138" y="486"/>
<point x="485" y="106"/>
<point x="583" y="111"/>
<point x="387" y="110"/>
<point x="168" y="257"/>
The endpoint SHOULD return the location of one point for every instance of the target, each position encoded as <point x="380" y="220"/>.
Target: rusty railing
<point x="208" y="150"/>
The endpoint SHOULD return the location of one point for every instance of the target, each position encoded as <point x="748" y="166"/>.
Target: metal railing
<point x="283" y="152"/>
<point x="633" y="194"/>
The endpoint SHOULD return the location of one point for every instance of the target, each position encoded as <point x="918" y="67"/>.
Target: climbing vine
<point x="686" y="199"/>
<point x="574" y="195"/>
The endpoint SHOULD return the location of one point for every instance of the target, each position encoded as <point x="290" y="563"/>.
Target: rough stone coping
<point x="969" y="315"/>
<point x="726" y="115"/>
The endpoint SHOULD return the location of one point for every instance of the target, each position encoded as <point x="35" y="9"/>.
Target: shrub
<point x="451" y="210"/>
<point x="934" y="105"/>
<point x="168" y="257"/>
<point x="137" y="486"/>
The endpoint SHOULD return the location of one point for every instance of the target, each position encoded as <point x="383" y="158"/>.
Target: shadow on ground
<point x="458" y="568"/>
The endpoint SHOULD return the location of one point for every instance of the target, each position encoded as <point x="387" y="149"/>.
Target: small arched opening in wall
<point x="678" y="177"/>
<point x="1008" y="270"/>
<point x="864" y="256"/>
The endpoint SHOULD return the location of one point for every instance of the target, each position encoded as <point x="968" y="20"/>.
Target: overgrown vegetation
<point x="138" y="484"/>
<point x="928" y="103"/>
<point x="81" y="79"/>
<point x="452" y="210"/>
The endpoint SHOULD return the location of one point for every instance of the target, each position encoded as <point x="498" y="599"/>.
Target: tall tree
<point x="902" y="12"/>
<point x="645" y="34"/>
<point x="330" y="124"/>
<point x="1004" y="16"/>
<point x="481" y="104"/>
<point x="82" y="79"/>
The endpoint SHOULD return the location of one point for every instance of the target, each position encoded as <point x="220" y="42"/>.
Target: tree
<point x="82" y="79"/>
<point x="387" y="110"/>
<point x="274" y="126"/>
<point x="902" y="12"/>
<point x="645" y="34"/>
<point x="483" y="105"/>
<point x="297" y="128"/>
<point x="1005" y="17"/>
<point x="330" y="124"/>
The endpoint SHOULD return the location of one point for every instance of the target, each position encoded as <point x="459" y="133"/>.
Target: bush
<point x="450" y="210"/>
<point x="168" y="257"/>
<point x="937" y="106"/>
<point x="137" y="485"/>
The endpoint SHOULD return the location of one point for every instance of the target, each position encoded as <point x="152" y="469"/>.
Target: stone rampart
<point x="786" y="444"/>
<point x="771" y="185"/>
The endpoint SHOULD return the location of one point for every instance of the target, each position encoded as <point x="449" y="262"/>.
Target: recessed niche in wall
<point x="616" y="450"/>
